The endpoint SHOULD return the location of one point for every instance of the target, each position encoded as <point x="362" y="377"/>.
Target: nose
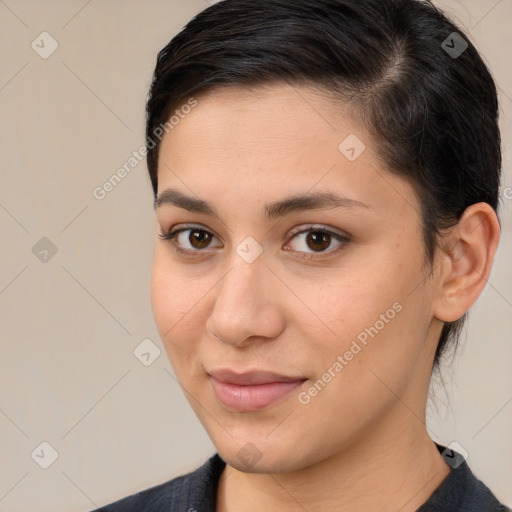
<point x="247" y="305"/>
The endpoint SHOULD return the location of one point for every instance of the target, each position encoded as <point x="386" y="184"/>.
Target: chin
<point x="263" y="466"/>
<point x="263" y="456"/>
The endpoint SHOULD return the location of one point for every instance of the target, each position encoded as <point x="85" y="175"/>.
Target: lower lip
<point x="251" y="398"/>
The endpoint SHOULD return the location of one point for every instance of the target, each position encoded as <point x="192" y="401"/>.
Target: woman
<point x="326" y="179"/>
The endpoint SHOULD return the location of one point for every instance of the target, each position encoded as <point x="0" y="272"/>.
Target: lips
<point x="252" y="390"/>
<point x="251" y="378"/>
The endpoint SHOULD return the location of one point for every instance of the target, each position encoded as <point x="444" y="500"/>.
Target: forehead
<point x="286" y="130"/>
<point x="267" y="140"/>
<point x="235" y="115"/>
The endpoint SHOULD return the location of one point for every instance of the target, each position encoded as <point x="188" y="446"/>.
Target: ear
<point x="465" y="260"/>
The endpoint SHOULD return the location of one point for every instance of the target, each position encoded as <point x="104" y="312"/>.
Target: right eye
<point x="195" y="241"/>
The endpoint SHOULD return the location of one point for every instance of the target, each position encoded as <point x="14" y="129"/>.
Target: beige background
<point x="69" y="325"/>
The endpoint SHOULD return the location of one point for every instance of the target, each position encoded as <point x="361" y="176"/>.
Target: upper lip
<point x="253" y="377"/>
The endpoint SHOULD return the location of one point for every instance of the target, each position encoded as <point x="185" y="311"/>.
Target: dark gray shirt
<point x="460" y="491"/>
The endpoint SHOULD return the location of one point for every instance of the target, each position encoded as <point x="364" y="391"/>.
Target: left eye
<point x="318" y="240"/>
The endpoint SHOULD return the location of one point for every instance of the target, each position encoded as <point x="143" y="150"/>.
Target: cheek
<point x="372" y="311"/>
<point x="381" y="340"/>
<point x="371" y="361"/>
<point x="176" y="304"/>
<point x="354" y="302"/>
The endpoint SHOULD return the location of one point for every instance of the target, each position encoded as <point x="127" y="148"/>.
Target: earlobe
<point x="467" y="253"/>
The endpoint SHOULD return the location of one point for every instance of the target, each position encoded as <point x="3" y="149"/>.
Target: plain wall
<point x="69" y="324"/>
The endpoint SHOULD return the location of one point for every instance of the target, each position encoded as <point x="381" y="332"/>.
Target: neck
<point x="397" y="470"/>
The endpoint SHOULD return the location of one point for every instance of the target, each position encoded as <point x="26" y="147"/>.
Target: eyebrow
<point x="307" y="201"/>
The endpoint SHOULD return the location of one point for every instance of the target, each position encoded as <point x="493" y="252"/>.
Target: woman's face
<point x="334" y="298"/>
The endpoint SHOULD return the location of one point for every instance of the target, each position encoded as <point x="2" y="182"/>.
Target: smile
<point x="251" y="397"/>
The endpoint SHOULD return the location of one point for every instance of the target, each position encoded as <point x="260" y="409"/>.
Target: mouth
<point x="251" y="391"/>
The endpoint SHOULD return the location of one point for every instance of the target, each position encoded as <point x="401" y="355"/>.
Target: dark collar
<point x="459" y="491"/>
<point x="196" y="491"/>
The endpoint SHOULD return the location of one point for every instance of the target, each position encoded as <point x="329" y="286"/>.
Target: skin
<point x="361" y="443"/>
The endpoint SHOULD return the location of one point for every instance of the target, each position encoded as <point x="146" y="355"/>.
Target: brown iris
<point x="199" y="239"/>
<point x="319" y="240"/>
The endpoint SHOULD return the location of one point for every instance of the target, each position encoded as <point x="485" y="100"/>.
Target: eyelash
<point x="172" y="233"/>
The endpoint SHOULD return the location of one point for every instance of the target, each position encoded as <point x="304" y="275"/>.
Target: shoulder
<point x="461" y="490"/>
<point x="192" y="492"/>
